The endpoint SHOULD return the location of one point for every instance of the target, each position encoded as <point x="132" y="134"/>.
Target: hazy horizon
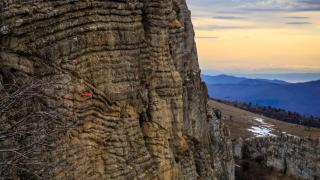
<point x="292" y="77"/>
<point x="267" y="36"/>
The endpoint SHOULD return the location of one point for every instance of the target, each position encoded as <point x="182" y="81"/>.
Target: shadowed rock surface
<point x="297" y="157"/>
<point x="123" y="78"/>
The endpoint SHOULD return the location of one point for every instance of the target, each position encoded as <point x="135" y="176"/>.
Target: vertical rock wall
<point x="298" y="157"/>
<point x="127" y="71"/>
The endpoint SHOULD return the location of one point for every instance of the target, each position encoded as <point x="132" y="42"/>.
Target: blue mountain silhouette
<point x="303" y="98"/>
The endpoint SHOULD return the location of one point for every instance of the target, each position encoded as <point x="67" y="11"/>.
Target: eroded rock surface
<point x="127" y="72"/>
<point x="298" y="157"/>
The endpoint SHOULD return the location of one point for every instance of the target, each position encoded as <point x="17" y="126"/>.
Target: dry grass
<point x="241" y="120"/>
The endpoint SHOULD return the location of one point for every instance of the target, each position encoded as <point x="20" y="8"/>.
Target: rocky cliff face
<point x="122" y="80"/>
<point x="298" y="157"/>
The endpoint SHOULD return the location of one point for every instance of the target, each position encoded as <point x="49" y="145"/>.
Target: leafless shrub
<point x="28" y="127"/>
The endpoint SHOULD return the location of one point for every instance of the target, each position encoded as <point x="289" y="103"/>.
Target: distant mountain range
<point x="303" y="98"/>
<point x="285" y="76"/>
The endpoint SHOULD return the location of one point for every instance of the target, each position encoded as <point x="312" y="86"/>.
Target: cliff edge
<point x="290" y="155"/>
<point x="105" y="90"/>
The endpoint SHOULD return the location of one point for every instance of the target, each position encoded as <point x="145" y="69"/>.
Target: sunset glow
<point x="240" y="40"/>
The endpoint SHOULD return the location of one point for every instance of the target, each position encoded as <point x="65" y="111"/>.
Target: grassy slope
<point x="242" y="120"/>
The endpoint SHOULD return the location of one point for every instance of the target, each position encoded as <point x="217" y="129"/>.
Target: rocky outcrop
<point x="298" y="157"/>
<point x="120" y="98"/>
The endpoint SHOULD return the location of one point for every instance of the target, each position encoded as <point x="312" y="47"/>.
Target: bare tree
<point x="28" y="128"/>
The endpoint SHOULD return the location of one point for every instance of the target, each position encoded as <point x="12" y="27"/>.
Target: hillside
<point x="288" y="77"/>
<point x="246" y="124"/>
<point x="227" y="79"/>
<point x="303" y="98"/>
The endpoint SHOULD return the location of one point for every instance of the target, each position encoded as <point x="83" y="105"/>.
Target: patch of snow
<point x="261" y="131"/>
<point x="261" y="128"/>
<point x="288" y="134"/>
<point x="260" y="120"/>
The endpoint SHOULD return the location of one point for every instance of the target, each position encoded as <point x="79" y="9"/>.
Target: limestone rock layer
<point x="291" y="155"/>
<point x="126" y="71"/>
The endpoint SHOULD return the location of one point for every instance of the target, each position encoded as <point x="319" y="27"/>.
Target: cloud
<point x="297" y="17"/>
<point x="233" y="11"/>
<point x="298" y="23"/>
<point x="280" y="5"/>
<point x="257" y="5"/>
<point x="312" y="2"/>
<point x="206" y="37"/>
<point x="228" y="17"/>
<point x="219" y="27"/>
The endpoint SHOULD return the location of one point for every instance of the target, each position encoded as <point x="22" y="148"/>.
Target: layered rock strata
<point x="298" y="157"/>
<point x="125" y="83"/>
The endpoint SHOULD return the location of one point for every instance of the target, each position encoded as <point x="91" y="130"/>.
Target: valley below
<point x="246" y="124"/>
<point x="269" y="149"/>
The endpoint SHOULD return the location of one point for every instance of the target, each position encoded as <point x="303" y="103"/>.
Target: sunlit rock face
<point x="127" y="72"/>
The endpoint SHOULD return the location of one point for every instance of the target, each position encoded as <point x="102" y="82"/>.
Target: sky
<point x="257" y="36"/>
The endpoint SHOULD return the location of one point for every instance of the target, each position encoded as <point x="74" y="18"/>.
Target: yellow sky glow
<point x="259" y="44"/>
